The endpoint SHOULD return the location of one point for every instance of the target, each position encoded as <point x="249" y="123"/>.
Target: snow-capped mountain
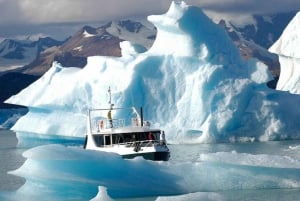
<point x="88" y="41"/>
<point x="12" y="83"/>
<point x="133" y="31"/>
<point x="254" y="39"/>
<point x="17" y="53"/>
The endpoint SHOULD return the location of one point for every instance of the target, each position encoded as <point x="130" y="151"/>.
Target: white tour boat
<point x="128" y="137"/>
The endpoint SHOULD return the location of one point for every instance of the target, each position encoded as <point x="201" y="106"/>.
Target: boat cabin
<point x="126" y="138"/>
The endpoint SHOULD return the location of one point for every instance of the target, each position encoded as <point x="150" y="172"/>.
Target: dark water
<point x="10" y="159"/>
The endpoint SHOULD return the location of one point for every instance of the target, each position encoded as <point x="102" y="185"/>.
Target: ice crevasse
<point x="192" y="82"/>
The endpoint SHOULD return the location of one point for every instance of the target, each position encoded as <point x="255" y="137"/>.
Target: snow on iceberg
<point x="192" y="82"/>
<point x="287" y="48"/>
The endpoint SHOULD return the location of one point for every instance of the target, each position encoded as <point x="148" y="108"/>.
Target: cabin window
<point x="98" y="140"/>
<point x="107" y="139"/>
<point x="156" y="135"/>
<point x="128" y="137"/>
<point x="117" y="139"/>
<point x="131" y="137"/>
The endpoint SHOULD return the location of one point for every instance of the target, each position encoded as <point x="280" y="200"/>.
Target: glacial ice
<point x="192" y="82"/>
<point x="57" y="172"/>
<point x="287" y="48"/>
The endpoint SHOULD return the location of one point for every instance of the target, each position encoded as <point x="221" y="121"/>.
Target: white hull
<point x="150" y="151"/>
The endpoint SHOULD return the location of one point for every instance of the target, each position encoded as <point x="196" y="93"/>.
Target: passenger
<point x="162" y="139"/>
<point x="101" y="124"/>
<point x="150" y="137"/>
<point x="109" y="118"/>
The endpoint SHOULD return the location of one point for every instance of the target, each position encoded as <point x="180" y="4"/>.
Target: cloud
<point x="30" y="16"/>
<point x="55" y="11"/>
<point x="9" y="12"/>
<point x="248" y="7"/>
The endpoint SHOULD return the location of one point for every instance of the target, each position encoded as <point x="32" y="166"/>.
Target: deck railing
<point x="118" y="123"/>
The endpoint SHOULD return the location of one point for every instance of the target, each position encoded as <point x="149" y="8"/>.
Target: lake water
<point x="11" y="159"/>
<point x="234" y="172"/>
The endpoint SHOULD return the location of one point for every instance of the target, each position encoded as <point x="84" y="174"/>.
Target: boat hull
<point x="155" y="156"/>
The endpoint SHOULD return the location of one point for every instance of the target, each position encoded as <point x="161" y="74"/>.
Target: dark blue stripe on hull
<point x="155" y="156"/>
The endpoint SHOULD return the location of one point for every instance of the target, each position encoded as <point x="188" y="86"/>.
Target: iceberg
<point x="57" y="172"/>
<point x="287" y="48"/>
<point x="192" y="82"/>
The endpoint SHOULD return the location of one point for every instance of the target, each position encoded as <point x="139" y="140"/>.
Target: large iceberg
<point x="287" y="47"/>
<point x="192" y="82"/>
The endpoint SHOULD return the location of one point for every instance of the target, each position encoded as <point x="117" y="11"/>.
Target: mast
<point x="109" y="102"/>
<point x="142" y="117"/>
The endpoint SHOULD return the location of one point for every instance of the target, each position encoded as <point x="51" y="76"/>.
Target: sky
<point x="57" y="17"/>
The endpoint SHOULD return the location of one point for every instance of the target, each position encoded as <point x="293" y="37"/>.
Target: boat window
<point x="142" y="137"/>
<point x="156" y="135"/>
<point x="118" y="138"/>
<point x="107" y="139"/>
<point x="131" y="137"/>
<point x="98" y="140"/>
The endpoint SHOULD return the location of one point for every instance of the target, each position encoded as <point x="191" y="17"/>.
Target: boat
<point x="130" y="136"/>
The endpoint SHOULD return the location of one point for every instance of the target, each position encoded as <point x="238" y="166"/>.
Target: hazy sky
<point x="18" y="17"/>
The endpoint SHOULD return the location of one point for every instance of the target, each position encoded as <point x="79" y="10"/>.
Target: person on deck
<point x="109" y="118"/>
<point x="150" y="137"/>
<point x="162" y="139"/>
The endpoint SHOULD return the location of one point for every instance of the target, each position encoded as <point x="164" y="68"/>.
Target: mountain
<point x="14" y="54"/>
<point x="133" y="31"/>
<point x="254" y="39"/>
<point x="88" y="41"/>
<point x="17" y="53"/>
<point x="12" y="83"/>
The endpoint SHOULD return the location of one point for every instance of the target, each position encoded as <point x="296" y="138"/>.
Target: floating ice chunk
<point x="203" y="196"/>
<point x="102" y="195"/>
<point x="260" y="160"/>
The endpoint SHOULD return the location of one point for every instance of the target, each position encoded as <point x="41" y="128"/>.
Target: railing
<point x="144" y="143"/>
<point x="119" y="123"/>
<point x="98" y="122"/>
<point x="106" y="123"/>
